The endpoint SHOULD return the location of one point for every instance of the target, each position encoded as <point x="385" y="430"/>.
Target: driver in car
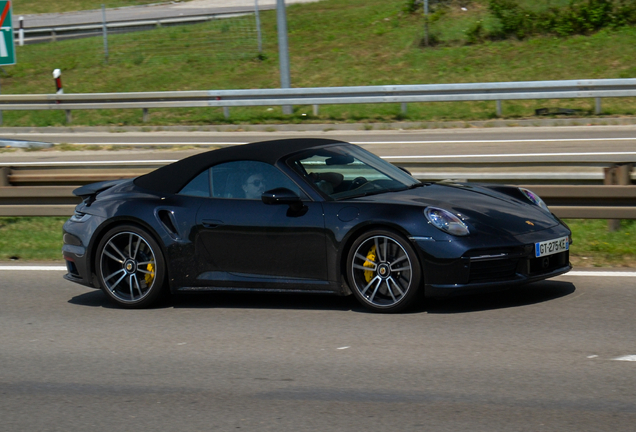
<point x="254" y="186"/>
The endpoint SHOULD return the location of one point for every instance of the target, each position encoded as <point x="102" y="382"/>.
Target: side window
<point x="247" y="180"/>
<point x="198" y="186"/>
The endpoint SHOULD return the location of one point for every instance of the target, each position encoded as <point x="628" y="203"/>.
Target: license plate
<point x="551" y="247"/>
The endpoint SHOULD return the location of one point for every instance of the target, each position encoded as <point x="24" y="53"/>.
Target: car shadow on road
<point x="234" y="300"/>
<point x="525" y="295"/>
<point x="515" y="297"/>
<point x="93" y="298"/>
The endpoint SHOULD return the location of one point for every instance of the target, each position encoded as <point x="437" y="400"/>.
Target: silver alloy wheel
<point x="128" y="267"/>
<point x="381" y="271"/>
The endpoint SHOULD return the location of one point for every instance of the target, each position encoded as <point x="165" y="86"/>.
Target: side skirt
<point x="272" y="290"/>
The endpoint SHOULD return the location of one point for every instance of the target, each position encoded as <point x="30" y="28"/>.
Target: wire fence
<point x="222" y="36"/>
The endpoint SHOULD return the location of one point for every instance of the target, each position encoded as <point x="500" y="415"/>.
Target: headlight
<point x="534" y="199"/>
<point x="446" y="221"/>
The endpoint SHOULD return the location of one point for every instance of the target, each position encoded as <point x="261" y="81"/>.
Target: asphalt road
<point x="547" y="357"/>
<point x="586" y="143"/>
<point x="159" y="10"/>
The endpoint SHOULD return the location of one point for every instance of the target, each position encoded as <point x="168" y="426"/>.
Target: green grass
<point x="40" y="239"/>
<point x="31" y="238"/>
<point x="332" y="43"/>
<point x="594" y="246"/>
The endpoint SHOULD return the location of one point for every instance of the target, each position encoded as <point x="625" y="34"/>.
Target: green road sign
<point x="7" y="41"/>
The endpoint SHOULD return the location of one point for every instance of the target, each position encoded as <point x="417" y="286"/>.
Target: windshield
<point x="347" y="171"/>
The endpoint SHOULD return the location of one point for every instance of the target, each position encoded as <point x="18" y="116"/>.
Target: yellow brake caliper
<point x="150" y="276"/>
<point x="368" y="274"/>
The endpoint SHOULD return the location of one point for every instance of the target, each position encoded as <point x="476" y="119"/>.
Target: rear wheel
<point x="383" y="271"/>
<point x="130" y="267"/>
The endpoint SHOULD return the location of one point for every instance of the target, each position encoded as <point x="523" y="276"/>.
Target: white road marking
<point x="626" y="358"/>
<point x="33" y="268"/>
<point x="572" y="273"/>
<point x="523" y="155"/>
<point x="492" y="141"/>
<point x="113" y="162"/>
<point x="342" y="348"/>
<point x="602" y="273"/>
<point x="162" y="143"/>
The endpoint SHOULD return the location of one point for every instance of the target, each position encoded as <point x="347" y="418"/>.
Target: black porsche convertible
<point x="307" y="215"/>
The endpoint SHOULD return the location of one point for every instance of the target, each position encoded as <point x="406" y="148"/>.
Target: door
<point x="253" y="244"/>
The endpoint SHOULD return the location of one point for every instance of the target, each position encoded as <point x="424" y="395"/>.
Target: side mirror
<point x="283" y="196"/>
<point x="280" y="196"/>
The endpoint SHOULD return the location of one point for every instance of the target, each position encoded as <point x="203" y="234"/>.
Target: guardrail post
<point x="69" y="117"/>
<point x="21" y="32"/>
<point x="105" y="33"/>
<point x="403" y="108"/>
<point x="226" y="112"/>
<point x="619" y="174"/>
<point x="4" y="176"/>
<point x="283" y="51"/>
<point x="498" y="108"/>
<point x="316" y="110"/>
<point x="597" y="106"/>
<point x="145" y="116"/>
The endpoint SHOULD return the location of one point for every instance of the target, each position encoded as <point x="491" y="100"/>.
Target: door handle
<point x="212" y="223"/>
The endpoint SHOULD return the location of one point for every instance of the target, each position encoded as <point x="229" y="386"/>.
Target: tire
<point x="130" y="267"/>
<point x="383" y="271"/>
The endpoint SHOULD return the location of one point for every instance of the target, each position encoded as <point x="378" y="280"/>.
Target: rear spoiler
<point x="89" y="192"/>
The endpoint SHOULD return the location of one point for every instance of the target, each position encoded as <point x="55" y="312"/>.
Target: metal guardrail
<point x="46" y="190"/>
<point x="567" y="89"/>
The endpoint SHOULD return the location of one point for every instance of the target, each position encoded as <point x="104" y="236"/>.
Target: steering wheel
<point x="357" y="182"/>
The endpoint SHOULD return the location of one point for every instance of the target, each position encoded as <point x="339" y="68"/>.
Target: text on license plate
<point x="551" y="247"/>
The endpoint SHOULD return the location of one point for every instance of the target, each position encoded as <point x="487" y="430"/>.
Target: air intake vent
<point x="497" y="269"/>
<point x="167" y="220"/>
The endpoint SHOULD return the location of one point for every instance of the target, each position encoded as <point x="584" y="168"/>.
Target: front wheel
<point x="383" y="271"/>
<point x="130" y="267"/>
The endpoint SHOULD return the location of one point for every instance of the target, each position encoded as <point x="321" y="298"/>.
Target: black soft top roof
<point x="172" y="178"/>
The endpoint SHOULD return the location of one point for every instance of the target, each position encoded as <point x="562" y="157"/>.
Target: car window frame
<point x="291" y="161"/>
<point x="301" y="191"/>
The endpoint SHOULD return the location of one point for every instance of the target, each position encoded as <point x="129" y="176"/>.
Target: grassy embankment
<point x="40" y="239"/>
<point x="332" y="43"/>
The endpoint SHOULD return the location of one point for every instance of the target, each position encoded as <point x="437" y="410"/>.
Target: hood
<point x="483" y="209"/>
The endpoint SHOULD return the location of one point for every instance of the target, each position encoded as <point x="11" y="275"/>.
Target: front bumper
<point x="459" y="267"/>
<point x="501" y="282"/>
